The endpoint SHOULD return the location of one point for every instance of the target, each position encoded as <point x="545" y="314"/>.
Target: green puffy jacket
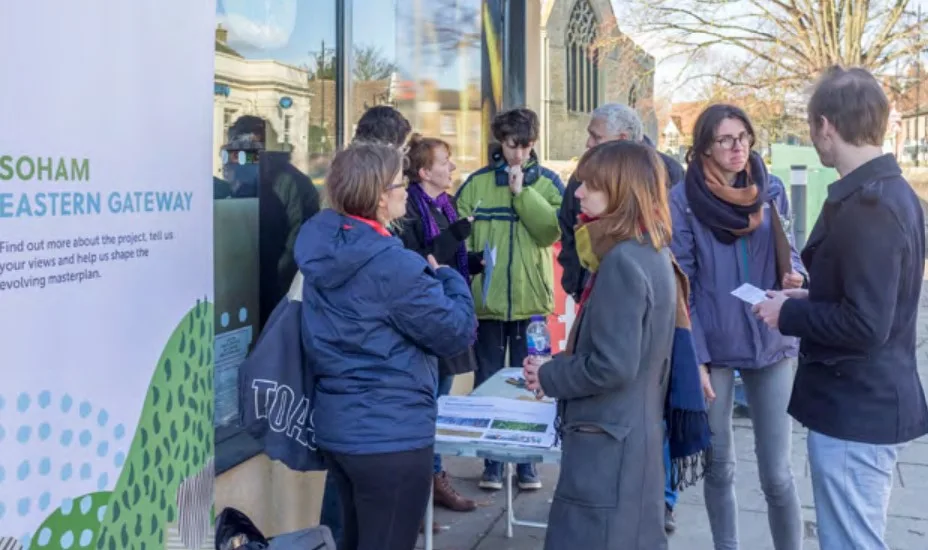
<point x="522" y="228"/>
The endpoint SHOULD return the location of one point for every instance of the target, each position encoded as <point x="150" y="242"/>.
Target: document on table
<point x="750" y="294"/>
<point x="496" y="420"/>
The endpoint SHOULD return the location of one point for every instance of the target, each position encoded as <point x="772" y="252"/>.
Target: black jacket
<point x="444" y="248"/>
<point x="857" y="377"/>
<point x="573" y="276"/>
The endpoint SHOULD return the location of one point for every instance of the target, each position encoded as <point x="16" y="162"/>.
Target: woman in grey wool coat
<point x="612" y="382"/>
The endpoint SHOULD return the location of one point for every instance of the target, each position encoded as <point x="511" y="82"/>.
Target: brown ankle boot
<point x="447" y="497"/>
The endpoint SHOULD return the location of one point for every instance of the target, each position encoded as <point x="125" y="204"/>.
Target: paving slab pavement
<point x="907" y="528"/>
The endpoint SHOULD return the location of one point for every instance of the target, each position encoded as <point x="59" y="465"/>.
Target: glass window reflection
<point x="274" y="136"/>
<point x="424" y="58"/>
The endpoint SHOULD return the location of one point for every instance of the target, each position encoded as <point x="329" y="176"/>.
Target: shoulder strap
<point x="296" y="288"/>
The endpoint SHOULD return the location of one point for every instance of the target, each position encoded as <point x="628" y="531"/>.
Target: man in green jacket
<point x="514" y="203"/>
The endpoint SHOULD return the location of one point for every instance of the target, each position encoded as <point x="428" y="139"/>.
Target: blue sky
<point x="288" y="30"/>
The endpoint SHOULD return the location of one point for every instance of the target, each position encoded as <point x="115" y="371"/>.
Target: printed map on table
<point x="496" y="419"/>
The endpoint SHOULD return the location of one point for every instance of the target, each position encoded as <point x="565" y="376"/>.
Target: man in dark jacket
<point x="609" y="122"/>
<point x="286" y="198"/>
<point x="857" y="388"/>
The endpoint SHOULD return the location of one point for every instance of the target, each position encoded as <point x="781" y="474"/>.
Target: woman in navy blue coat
<point x="375" y="318"/>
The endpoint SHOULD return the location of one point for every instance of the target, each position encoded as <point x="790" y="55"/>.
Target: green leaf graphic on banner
<point x="145" y="499"/>
<point x="73" y="525"/>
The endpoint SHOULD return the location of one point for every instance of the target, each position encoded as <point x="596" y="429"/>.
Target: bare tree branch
<point x="798" y="39"/>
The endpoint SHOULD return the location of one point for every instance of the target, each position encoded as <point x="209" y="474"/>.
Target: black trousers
<point x="383" y="497"/>
<point x="493" y="338"/>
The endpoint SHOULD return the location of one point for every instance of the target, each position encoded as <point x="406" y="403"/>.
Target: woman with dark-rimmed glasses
<point x="375" y="318"/>
<point x="730" y="227"/>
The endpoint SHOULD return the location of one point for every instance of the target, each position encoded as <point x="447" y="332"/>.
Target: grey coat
<point x="611" y="390"/>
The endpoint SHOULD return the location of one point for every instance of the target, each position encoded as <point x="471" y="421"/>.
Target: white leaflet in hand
<point x="489" y="262"/>
<point x="750" y="294"/>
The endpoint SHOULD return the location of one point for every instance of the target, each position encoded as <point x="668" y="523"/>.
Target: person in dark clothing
<point x="432" y="227"/>
<point x="857" y="389"/>
<point x="609" y="122"/>
<point x="375" y="318"/>
<point x="383" y="124"/>
<point x="286" y="199"/>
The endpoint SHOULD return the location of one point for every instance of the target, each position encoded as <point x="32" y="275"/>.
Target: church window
<point x="582" y="59"/>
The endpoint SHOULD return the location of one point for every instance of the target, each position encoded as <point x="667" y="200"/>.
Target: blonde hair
<point x="633" y="178"/>
<point x="359" y="175"/>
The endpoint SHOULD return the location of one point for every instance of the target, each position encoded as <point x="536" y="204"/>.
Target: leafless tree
<point x="797" y="39"/>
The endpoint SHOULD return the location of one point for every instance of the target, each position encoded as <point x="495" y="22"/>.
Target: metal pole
<point x="798" y="185"/>
<point x="344" y="61"/>
<point x="918" y="87"/>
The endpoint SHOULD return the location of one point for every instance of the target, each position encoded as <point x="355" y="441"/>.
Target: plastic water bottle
<point x="538" y="337"/>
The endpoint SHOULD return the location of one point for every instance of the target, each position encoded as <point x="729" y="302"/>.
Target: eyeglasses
<point x="728" y="142"/>
<point x="403" y="183"/>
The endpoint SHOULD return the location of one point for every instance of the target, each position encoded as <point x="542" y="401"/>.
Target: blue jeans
<point x="670" y="495"/>
<point x="444" y="388"/>
<point x="767" y="390"/>
<point x="851" y="484"/>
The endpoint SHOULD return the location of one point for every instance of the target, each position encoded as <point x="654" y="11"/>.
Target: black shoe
<point x="670" y="522"/>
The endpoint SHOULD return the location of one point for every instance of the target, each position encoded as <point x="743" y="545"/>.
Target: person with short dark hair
<point x="729" y="229"/>
<point x="375" y="318"/>
<point x="514" y="203"/>
<point x="857" y="389"/>
<point x="383" y="124"/>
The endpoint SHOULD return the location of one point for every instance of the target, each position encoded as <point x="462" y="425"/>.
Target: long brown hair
<point x="359" y="175"/>
<point x="633" y="178"/>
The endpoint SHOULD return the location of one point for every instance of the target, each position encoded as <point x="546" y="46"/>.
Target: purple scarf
<point x="425" y="204"/>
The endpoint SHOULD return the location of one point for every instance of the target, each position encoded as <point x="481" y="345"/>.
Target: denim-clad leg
<point x="670" y="494"/>
<point x="851" y="484"/>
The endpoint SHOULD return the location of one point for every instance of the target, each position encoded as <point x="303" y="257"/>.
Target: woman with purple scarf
<point x="431" y="226"/>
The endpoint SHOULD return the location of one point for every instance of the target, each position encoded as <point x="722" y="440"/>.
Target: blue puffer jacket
<point x="375" y="316"/>
<point x="725" y="331"/>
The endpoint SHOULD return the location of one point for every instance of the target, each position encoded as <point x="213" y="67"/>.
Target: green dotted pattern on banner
<point x="74" y="525"/>
<point x="173" y="442"/>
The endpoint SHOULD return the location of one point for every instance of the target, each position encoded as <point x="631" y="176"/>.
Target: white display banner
<point x="106" y="273"/>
